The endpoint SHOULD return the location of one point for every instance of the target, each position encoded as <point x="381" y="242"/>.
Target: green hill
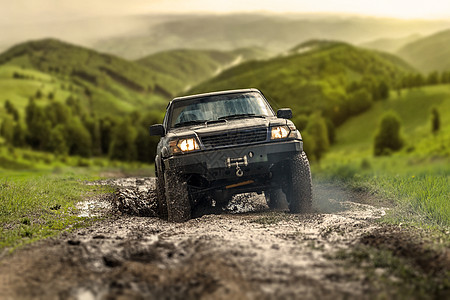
<point x="335" y="78"/>
<point x="431" y="53"/>
<point x="190" y="67"/>
<point x="413" y="107"/>
<point x="105" y="83"/>
<point x="391" y="45"/>
<point x="69" y="100"/>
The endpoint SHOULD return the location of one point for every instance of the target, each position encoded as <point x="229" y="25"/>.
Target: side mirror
<point x="284" y="113"/>
<point x="157" y="130"/>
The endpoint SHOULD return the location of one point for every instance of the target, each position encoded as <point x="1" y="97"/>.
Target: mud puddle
<point x="245" y="252"/>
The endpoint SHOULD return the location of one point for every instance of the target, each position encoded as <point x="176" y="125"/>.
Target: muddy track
<point x="242" y="252"/>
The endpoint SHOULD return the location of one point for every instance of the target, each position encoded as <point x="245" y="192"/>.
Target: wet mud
<point x="244" y="251"/>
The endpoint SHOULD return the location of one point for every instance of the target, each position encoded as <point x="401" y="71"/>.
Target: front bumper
<point x="212" y="164"/>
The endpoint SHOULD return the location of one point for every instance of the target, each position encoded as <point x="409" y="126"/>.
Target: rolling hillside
<point x="104" y="83"/>
<point x="431" y="53"/>
<point x="275" y="32"/>
<point x="413" y="107"/>
<point x="316" y="75"/>
<point x="391" y="45"/>
<point x="191" y="67"/>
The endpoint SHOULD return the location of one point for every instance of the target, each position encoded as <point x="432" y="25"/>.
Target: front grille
<point x="237" y="137"/>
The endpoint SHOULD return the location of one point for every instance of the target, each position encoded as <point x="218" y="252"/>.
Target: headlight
<point x="280" y="132"/>
<point x="183" y="145"/>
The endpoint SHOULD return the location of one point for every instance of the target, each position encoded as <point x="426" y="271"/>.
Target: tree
<point x="359" y="101"/>
<point x="309" y="145"/>
<point x="7" y="129"/>
<point x="38" y="125"/>
<point x="388" y="137"/>
<point x="145" y="153"/>
<point x="107" y="125"/>
<point x="433" y="78"/>
<point x="30" y="111"/>
<point x="78" y="138"/>
<point x="58" y="113"/>
<point x="383" y="90"/>
<point x="20" y="134"/>
<point x="123" y="142"/>
<point x="418" y="80"/>
<point x="317" y="131"/>
<point x="58" y="141"/>
<point x="301" y="121"/>
<point x="93" y="126"/>
<point x="331" y="131"/>
<point x="12" y="110"/>
<point x="38" y="94"/>
<point x="435" y="120"/>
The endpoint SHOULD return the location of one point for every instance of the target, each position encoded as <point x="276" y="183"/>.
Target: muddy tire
<point x="177" y="198"/>
<point x="299" y="187"/>
<point x="161" y="196"/>
<point x="275" y="199"/>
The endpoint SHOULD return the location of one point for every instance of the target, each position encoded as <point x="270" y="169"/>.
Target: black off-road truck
<point x="216" y="145"/>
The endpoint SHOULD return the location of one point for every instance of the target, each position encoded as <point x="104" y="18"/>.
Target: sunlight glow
<point x="405" y="9"/>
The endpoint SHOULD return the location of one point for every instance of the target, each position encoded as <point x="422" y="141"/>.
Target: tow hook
<point x="239" y="172"/>
<point x="241" y="161"/>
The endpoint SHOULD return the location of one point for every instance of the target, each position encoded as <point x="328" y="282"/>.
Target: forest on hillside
<point x="71" y="100"/>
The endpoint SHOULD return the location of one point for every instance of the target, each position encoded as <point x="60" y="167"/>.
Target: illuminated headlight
<point x="280" y="132"/>
<point x="184" y="145"/>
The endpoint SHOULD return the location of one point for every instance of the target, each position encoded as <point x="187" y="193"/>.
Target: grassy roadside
<point x="418" y="192"/>
<point x="39" y="204"/>
<point x="408" y="256"/>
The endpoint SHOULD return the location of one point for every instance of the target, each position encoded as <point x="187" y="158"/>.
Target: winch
<point x="240" y="161"/>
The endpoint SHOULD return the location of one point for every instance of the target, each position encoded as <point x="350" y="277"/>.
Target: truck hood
<point x="231" y="125"/>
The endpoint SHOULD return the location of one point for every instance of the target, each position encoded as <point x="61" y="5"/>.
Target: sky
<point x="30" y="11"/>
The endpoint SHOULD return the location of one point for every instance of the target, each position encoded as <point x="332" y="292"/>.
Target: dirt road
<point x="245" y="252"/>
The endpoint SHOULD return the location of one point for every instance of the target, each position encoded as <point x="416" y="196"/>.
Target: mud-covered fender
<point x="165" y="152"/>
<point x="158" y="166"/>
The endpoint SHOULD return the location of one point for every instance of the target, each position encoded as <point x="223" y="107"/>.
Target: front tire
<point x="177" y="198"/>
<point x="161" y="196"/>
<point x="299" y="185"/>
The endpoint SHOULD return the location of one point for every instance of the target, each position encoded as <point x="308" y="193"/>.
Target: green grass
<point x="412" y="106"/>
<point x="37" y="205"/>
<point x="416" y="179"/>
<point x="30" y="160"/>
<point x="419" y="193"/>
<point x="18" y="91"/>
<point x="38" y="192"/>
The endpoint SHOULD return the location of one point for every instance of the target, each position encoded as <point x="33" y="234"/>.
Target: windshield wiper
<point x="238" y="116"/>
<point x="187" y="123"/>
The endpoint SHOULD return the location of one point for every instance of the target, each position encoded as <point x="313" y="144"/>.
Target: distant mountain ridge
<point x="274" y="32"/>
<point x="391" y="45"/>
<point x="191" y="67"/>
<point x="430" y="53"/>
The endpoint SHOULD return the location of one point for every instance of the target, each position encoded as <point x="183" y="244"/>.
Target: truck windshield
<point x="219" y="107"/>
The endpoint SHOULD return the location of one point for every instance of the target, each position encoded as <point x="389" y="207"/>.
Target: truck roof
<point x="216" y="93"/>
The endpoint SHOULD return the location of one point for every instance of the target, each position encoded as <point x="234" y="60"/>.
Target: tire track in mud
<point x="245" y="252"/>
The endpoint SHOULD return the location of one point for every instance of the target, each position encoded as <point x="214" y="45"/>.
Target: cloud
<point x="19" y="11"/>
<point x="32" y="11"/>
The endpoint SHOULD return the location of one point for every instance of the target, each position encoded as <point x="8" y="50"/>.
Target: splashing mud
<point x="244" y="252"/>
